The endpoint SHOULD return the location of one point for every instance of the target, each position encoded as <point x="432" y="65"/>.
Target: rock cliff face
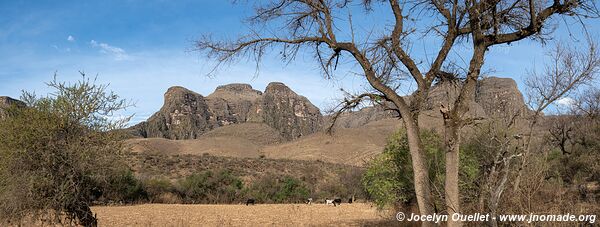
<point x="293" y="115"/>
<point x="494" y="97"/>
<point x="6" y="102"/>
<point x="184" y="115"/>
<point x="231" y="104"/>
<point x="500" y="96"/>
<point x="187" y="115"/>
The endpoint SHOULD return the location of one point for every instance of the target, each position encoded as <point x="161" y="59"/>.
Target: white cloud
<point x="71" y="39"/>
<point x="566" y="102"/>
<point x="118" y="53"/>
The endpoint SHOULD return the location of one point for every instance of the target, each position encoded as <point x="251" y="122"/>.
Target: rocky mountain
<point x="184" y="115"/>
<point x="494" y="97"/>
<point x="497" y="96"/>
<point x="232" y="103"/>
<point x="293" y="115"/>
<point x="6" y="102"/>
<point x="187" y="115"/>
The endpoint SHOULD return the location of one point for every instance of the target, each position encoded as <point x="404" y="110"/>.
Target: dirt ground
<point x="356" y="214"/>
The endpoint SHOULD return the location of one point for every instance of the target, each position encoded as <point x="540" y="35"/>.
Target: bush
<point x="160" y="190"/>
<point x="57" y="151"/>
<point x="208" y="187"/>
<point x="291" y="189"/>
<point x="124" y="187"/>
<point x="389" y="180"/>
<point x="279" y="189"/>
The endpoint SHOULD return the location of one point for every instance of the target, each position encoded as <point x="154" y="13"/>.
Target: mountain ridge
<point x="187" y="115"/>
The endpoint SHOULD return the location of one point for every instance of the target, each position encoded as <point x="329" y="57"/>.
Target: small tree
<point x="58" y="152"/>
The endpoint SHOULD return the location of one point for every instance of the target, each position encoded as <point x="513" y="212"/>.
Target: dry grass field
<point x="357" y="214"/>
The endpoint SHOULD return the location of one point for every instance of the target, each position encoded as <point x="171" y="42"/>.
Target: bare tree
<point x="510" y="148"/>
<point x="294" y="26"/>
<point x="568" y="70"/>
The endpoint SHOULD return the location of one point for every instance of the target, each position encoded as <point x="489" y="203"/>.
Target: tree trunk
<point x="452" y="140"/>
<point x="453" y="121"/>
<point x="420" y="171"/>
<point x="86" y="217"/>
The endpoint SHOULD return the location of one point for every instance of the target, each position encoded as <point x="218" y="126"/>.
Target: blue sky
<point x="143" y="47"/>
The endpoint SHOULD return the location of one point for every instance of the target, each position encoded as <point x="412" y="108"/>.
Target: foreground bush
<point x="58" y="151"/>
<point x="389" y="177"/>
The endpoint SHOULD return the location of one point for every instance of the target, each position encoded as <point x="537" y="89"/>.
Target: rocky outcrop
<point x="231" y="104"/>
<point x="494" y="97"/>
<point x="358" y="118"/>
<point x="184" y="115"/>
<point x="187" y="115"/>
<point x="500" y="96"/>
<point x="6" y="102"/>
<point x="291" y="114"/>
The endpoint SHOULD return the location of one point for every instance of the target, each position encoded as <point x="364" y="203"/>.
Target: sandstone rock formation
<point x="293" y="115"/>
<point x="187" y="115"/>
<point x="494" y="97"/>
<point x="184" y="115"/>
<point x="499" y="96"/>
<point x="231" y="103"/>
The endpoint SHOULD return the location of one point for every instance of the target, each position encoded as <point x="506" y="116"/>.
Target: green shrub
<point x="389" y="180"/>
<point x="384" y="181"/>
<point x="158" y="188"/>
<point x="279" y="189"/>
<point x="124" y="187"/>
<point x="208" y="187"/>
<point x="291" y="189"/>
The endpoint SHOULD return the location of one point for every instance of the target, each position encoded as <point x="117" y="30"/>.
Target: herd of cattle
<point x="334" y="202"/>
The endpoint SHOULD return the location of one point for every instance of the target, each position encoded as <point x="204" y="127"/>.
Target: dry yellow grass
<point x="356" y="214"/>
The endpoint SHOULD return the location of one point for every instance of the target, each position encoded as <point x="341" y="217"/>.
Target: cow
<point x="329" y="201"/>
<point x="309" y="201"/>
<point x="337" y="202"/>
<point x="250" y="202"/>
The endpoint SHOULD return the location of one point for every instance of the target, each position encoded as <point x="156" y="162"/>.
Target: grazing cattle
<point x="337" y="202"/>
<point x="329" y="201"/>
<point x="250" y="202"/>
<point x="350" y="200"/>
<point x="309" y="201"/>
